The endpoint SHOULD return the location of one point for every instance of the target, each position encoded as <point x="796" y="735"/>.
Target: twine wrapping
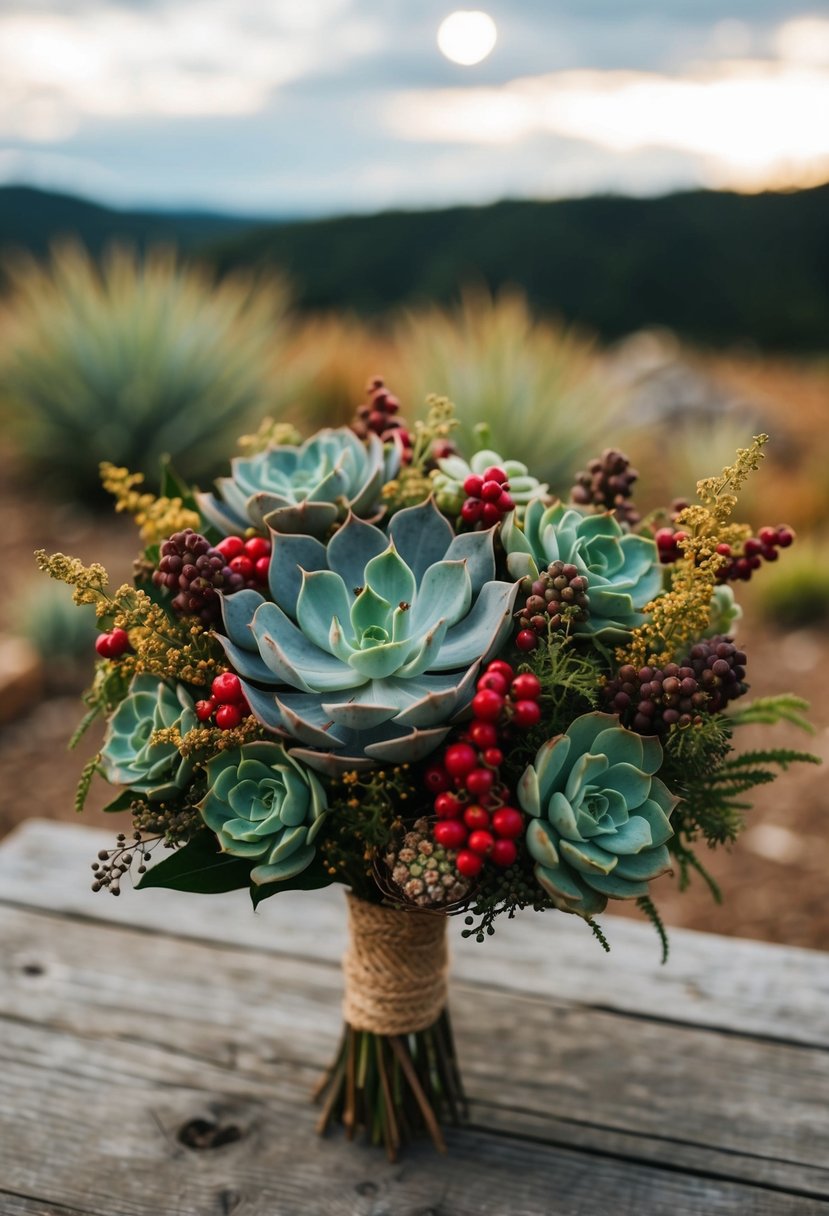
<point x="395" y="969"/>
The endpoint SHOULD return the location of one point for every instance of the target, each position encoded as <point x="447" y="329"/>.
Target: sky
<point x="275" y="107"/>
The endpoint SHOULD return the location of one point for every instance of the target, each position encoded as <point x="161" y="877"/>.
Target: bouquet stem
<point x="395" y="1075"/>
<point x="396" y="1088"/>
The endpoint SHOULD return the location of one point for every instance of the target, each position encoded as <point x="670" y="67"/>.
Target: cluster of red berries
<point x="248" y="558"/>
<point x="113" y="644"/>
<point x="756" y="550"/>
<point x="668" y="545"/>
<point x="488" y="499"/>
<point x="226" y="706"/>
<point x="472" y="802"/>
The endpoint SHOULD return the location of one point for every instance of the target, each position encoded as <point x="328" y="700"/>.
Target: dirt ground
<point x="774" y="880"/>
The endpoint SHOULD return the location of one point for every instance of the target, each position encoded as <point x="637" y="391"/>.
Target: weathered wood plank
<point x="572" y="1077"/>
<point x="748" y="987"/>
<point x="94" y="1130"/>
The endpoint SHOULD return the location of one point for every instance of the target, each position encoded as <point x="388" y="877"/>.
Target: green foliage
<point x="198" y="866"/>
<point x="136" y="360"/>
<point x="645" y="904"/>
<point x="536" y="386"/>
<point x="769" y="710"/>
<point x="795" y="592"/>
<point x="87" y="775"/>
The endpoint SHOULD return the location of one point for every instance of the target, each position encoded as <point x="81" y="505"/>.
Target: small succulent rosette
<point x="132" y="755"/>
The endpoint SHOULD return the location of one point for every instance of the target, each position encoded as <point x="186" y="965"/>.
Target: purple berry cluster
<point x="558" y="594"/>
<point x="608" y="482"/>
<point x="197" y="573"/>
<point x="379" y="415"/>
<point x="652" y="699"/>
<point x="756" y="550"/>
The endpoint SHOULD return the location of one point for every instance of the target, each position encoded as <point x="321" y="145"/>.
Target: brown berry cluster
<point x="424" y="870"/>
<point x="379" y="416"/>
<point x="608" y="482"/>
<point x="471" y="800"/>
<point x="557" y="596"/>
<point x="652" y="699"/>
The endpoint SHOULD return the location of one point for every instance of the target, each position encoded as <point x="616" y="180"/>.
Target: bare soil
<point x="774" y="880"/>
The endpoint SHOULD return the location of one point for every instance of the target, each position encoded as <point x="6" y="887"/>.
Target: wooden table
<point x="598" y="1084"/>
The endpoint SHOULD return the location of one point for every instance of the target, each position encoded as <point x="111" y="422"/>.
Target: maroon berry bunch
<point x="226" y="706"/>
<point x="472" y="803"/>
<point x="488" y="499"/>
<point x="198" y="572"/>
<point x="379" y="415"/>
<point x="652" y="699"/>
<point x="756" y="550"/>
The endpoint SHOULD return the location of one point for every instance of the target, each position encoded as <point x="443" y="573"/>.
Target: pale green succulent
<point x="129" y="757"/>
<point x="265" y="806"/>
<point x="304" y="489"/>
<point x="454" y="470"/>
<point x="373" y="644"/>
<point x="725" y="612"/>
<point x="622" y="570"/>
<point x="600" y="816"/>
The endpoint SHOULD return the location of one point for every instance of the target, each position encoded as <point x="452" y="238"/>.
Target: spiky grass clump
<point x="537" y="386"/>
<point x="132" y="360"/>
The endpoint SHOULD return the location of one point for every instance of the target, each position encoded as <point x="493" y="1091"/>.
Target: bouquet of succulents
<point x="371" y="659"/>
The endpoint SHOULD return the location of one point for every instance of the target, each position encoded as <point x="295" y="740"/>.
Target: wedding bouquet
<point x="371" y="659"/>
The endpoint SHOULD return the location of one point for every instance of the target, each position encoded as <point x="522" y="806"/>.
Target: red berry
<point x="493" y="757"/>
<point x="490" y="514"/>
<point x="504" y="854"/>
<point x="436" y="778"/>
<point x="450" y="833"/>
<point x="526" y="640"/>
<point x="242" y="565"/>
<point x="752" y="547"/>
<point x="770" y="553"/>
<point x="768" y="536"/>
<point x="664" y="538"/>
<point x="103" y="644"/>
<point x="204" y="710"/>
<point x="263" y="565"/>
<point x="479" y="782"/>
<point x="471" y="510"/>
<point x="785" y="536"/>
<point x="487" y="705"/>
<point x="469" y="864"/>
<point x="724" y="550"/>
<point x="491" y="491"/>
<point x="495" y="681"/>
<point x="472" y="485"/>
<point x="505" y="503"/>
<point x="460" y="759"/>
<point x="227" y="688"/>
<point x="508" y="822"/>
<point x="526" y="713"/>
<point x="501" y="666"/>
<point x="495" y="473"/>
<point x="481" y="842"/>
<point x="483" y="734"/>
<point x="228" y="717"/>
<point x="526" y="687"/>
<point x="230" y="547"/>
<point x="257" y="547"/>
<point x="447" y="806"/>
<point x="475" y="817"/>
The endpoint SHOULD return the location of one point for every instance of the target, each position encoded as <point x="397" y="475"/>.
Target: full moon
<point x="467" y="36"/>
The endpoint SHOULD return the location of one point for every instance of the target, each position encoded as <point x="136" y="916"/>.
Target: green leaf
<point x="313" y="878"/>
<point x="172" y="486"/>
<point x="199" y="867"/>
<point x="123" y="802"/>
<point x="770" y="710"/>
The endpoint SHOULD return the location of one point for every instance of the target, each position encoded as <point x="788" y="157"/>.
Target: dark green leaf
<point x="199" y="866"/>
<point x="123" y="802"/>
<point x="172" y="486"/>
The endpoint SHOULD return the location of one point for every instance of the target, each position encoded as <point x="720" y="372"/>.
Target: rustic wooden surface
<point x="598" y="1085"/>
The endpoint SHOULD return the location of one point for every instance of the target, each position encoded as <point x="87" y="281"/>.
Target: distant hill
<point x="719" y="268"/>
<point x="31" y="219"/>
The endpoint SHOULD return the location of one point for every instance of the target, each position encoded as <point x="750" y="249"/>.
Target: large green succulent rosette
<point x="129" y="755"/>
<point x="600" y="816"/>
<point x="622" y="570"/>
<point x="265" y="806"/>
<point x="373" y="642"/>
<point x="303" y="489"/>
